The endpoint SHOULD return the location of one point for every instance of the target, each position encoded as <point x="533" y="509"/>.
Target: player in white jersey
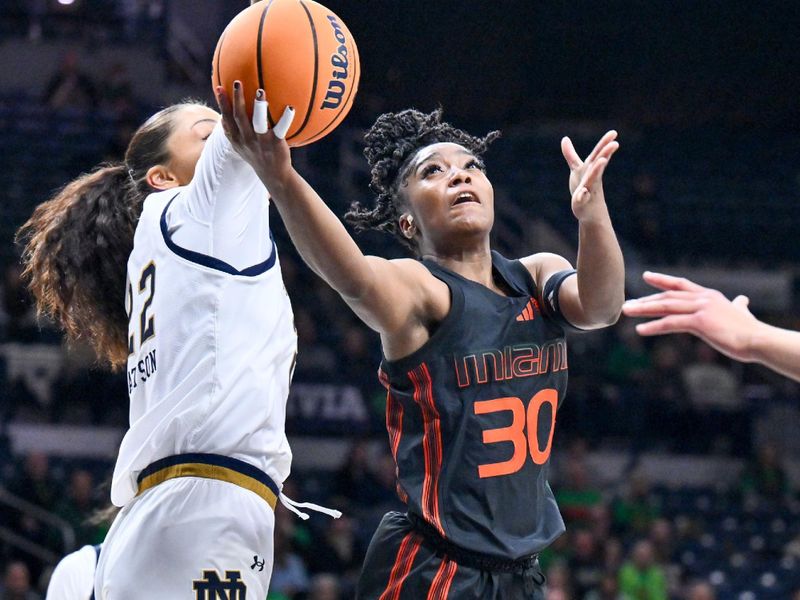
<point x="201" y="322"/>
<point x="73" y="577"/>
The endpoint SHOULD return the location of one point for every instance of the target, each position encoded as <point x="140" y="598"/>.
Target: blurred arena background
<point x="677" y="471"/>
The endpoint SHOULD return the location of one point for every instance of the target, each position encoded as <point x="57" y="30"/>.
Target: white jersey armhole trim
<point x="211" y="261"/>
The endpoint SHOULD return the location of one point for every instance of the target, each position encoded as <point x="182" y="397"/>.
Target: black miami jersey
<point x="472" y="413"/>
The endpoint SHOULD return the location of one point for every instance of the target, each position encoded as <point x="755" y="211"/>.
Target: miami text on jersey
<point x="521" y="360"/>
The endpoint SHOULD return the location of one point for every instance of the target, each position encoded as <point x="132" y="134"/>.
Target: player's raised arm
<point x="383" y="293"/>
<point x="686" y="307"/>
<point x="594" y="297"/>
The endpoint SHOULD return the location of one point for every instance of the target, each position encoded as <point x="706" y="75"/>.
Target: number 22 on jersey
<point x="147" y="325"/>
<point x="515" y="433"/>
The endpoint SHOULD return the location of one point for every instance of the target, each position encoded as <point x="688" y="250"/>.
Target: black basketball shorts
<point x="402" y="563"/>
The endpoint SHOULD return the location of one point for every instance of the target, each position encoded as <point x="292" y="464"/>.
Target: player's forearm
<point x="320" y="237"/>
<point x="776" y="348"/>
<point x="601" y="273"/>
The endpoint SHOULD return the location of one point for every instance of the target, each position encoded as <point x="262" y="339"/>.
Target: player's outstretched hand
<point x="586" y="176"/>
<point x="263" y="148"/>
<point x="686" y="307"/>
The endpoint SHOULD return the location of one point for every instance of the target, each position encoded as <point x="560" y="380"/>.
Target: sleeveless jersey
<point x="212" y="350"/>
<point x="471" y="416"/>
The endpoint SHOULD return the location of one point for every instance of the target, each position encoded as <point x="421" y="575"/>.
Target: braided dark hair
<point x="76" y="245"/>
<point x="391" y="143"/>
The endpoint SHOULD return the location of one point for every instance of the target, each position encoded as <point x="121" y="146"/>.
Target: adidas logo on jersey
<point x="529" y="312"/>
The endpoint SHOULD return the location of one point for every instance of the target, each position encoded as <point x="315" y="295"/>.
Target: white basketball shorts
<point x="201" y="528"/>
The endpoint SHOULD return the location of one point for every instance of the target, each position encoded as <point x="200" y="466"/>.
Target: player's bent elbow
<point x="599" y="319"/>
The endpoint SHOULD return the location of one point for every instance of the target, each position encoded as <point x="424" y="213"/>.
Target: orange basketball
<point x="301" y="54"/>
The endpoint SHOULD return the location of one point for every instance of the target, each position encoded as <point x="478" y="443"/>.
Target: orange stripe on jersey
<point x="394" y="426"/>
<point x="440" y="586"/>
<point x="402" y="566"/>
<point x="431" y="444"/>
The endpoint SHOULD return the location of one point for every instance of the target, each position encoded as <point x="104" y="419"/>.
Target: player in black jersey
<point x="474" y="355"/>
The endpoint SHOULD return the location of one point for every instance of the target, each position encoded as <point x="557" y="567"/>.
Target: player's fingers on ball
<point x="239" y="110"/>
<point x="224" y="103"/>
<point x="283" y="124"/>
<point x="260" y="106"/>
<point x="222" y="99"/>
<point x="225" y="108"/>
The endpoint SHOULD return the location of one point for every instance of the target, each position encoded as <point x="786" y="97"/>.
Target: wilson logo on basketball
<point x="340" y="63"/>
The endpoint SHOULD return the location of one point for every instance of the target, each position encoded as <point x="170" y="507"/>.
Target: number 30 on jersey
<point x="515" y="433"/>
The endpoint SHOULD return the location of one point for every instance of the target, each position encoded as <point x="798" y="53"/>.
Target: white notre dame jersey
<point x="212" y="345"/>
<point x="73" y="577"/>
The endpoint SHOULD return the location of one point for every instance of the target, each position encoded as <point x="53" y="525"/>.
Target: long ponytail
<point x="76" y="245"/>
<point x="75" y="255"/>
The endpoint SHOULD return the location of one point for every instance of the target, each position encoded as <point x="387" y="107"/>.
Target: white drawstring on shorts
<point x="295" y="506"/>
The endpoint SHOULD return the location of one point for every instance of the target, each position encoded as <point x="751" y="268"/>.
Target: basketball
<point x="301" y="54"/>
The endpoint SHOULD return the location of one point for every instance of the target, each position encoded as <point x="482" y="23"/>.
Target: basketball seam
<point x="219" y="56"/>
<point x="259" y="62"/>
<point x="346" y="102"/>
<point x="311" y="102"/>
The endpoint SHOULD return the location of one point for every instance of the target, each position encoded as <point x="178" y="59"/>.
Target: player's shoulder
<point x="401" y="267"/>
<point x="411" y="276"/>
<point x="540" y="259"/>
<point x="542" y="265"/>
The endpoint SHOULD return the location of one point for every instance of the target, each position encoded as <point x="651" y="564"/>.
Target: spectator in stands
<point x="711" y="385"/>
<point x="16" y="313"/>
<point x="356" y="359"/>
<point x="601" y="521"/>
<point x="700" y="590"/>
<point x="289" y="575"/>
<point x="123" y="132"/>
<point x="686" y="307"/>
<point x="316" y="361"/>
<point x="606" y="589"/>
<point x="339" y="551"/>
<point x="643" y="227"/>
<point x="584" y="564"/>
<point x="78" y="505"/>
<point x="641" y="578"/>
<point x="613" y="555"/>
<point x="35" y="483"/>
<point x="17" y="583"/>
<point x="354" y="482"/>
<point x="577" y="495"/>
<point x="764" y="475"/>
<point x="117" y="94"/>
<point x="719" y="409"/>
<point x="70" y="87"/>
<point x="628" y="361"/>
<point x="635" y="510"/>
<point x="665" y="410"/>
<point x="558" y="586"/>
<point x="662" y="537"/>
<point x="325" y="586"/>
